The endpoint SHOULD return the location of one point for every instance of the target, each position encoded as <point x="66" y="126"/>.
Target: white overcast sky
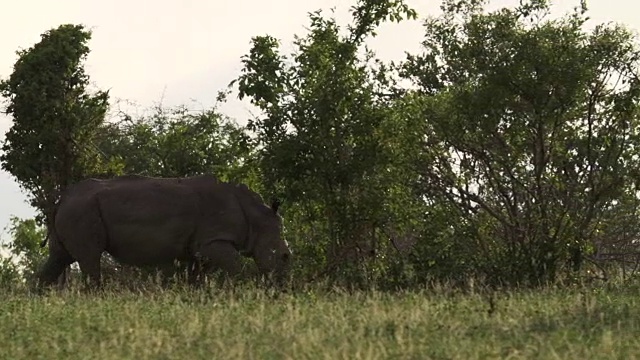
<point x="190" y="49"/>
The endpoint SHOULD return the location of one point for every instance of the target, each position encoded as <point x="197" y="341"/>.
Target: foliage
<point x="9" y="272"/>
<point x="331" y="139"/>
<point x="532" y="132"/>
<point x="50" y="143"/>
<point x="25" y="252"/>
<point x="177" y="142"/>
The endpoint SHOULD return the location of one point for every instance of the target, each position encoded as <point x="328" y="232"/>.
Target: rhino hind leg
<point x="86" y="241"/>
<point x="54" y="269"/>
<point x="88" y="258"/>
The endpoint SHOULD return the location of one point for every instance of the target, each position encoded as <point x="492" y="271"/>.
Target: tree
<point x="177" y="142"/>
<point x="532" y="131"/>
<point x="332" y="140"/>
<point x="55" y="118"/>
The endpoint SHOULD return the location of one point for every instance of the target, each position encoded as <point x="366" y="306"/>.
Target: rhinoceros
<point x="144" y="221"/>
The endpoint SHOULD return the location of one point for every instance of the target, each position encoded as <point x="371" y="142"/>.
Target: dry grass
<point x="601" y="323"/>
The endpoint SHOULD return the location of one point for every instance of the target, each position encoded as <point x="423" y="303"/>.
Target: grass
<point x="596" y="323"/>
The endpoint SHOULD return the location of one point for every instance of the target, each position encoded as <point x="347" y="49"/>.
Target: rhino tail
<point x="50" y="225"/>
<point x="43" y="243"/>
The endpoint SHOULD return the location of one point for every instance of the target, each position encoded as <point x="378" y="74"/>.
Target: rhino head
<point x="270" y="250"/>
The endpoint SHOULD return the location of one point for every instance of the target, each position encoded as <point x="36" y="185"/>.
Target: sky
<point x="184" y="52"/>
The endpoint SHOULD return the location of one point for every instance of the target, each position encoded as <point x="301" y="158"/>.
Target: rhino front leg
<point x="90" y="267"/>
<point x="219" y="255"/>
<point x="84" y="237"/>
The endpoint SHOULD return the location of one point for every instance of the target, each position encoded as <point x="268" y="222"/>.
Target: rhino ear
<point x="275" y="204"/>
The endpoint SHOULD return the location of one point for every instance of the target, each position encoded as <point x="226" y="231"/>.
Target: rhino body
<point x="145" y="221"/>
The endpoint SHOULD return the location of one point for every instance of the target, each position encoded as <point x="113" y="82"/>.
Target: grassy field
<point x="598" y="323"/>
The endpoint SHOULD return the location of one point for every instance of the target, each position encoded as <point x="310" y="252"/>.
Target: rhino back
<point x="147" y="221"/>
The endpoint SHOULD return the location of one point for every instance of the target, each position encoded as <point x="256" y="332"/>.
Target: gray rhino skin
<point x="145" y="221"/>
